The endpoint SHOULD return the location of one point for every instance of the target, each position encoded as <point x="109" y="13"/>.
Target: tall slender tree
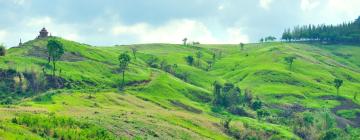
<point x="290" y="61"/>
<point x="337" y="84"/>
<point x="134" y="51"/>
<point x="184" y="41"/>
<point x="55" y="50"/>
<point x="124" y="60"/>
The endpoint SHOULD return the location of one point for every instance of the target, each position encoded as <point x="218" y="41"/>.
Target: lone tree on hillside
<point x="55" y="51"/>
<point x="337" y="84"/>
<point x="2" y="50"/>
<point x="198" y="56"/>
<point x="290" y="60"/>
<point x="134" y="50"/>
<point x="184" y="41"/>
<point x="124" y="60"/>
<point x="190" y="60"/>
<point x="242" y="46"/>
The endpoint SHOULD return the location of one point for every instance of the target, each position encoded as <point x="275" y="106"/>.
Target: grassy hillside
<point x="177" y="104"/>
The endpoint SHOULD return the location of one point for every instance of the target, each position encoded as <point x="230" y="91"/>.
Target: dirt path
<point x="346" y="104"/>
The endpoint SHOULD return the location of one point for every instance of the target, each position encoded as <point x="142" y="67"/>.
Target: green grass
<point x="162" y="106"/>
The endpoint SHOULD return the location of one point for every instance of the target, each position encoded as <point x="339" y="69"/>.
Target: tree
<point x="134" y="50"/>
<point x="2" y="50"/>
<point x="190" y="60"/>
<point x="261" y="40"/>
<point x="337" y="84"/>
<point x="261" y="113"/>
<point x="242" y="46"/>
<point x="198" y="56"/>
<point x="184" y="41"/>
<point x="124" y="60"/>
<point x="55" y="51"/>
<point x="290" y="60"/>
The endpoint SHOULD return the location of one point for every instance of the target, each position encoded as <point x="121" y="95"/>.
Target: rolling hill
<point x="166" y="98"/>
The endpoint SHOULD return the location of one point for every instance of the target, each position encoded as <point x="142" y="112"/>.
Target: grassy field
<point x="159" y="105"/>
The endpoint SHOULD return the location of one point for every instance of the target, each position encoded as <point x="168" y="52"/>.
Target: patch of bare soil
<point x="346" y="104"/>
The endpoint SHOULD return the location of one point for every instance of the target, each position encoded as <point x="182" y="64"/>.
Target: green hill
<point x="166" y="98"/>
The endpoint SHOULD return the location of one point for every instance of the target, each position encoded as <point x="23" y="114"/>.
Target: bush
<point x="261" y="113"/>
<point x="238" y="110"/>
<point x="256" y="105"/>
<point x="331" y="134"/>
<point x="2" y="50"/>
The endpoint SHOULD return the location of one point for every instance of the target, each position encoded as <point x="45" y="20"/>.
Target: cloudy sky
<point x="110" y="22"/>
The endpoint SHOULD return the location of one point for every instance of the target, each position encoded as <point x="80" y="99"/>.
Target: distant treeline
<point x="342" y="33"/>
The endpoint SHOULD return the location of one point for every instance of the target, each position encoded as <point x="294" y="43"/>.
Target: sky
<point x="117" y="22"/>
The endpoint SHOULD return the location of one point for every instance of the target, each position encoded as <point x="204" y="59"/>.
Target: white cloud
<point x="171" y="32"/>
<point x="307" y="5"/>
<point x="175" y="30"/>
<point x="347" y="8"/>
<point x="235" y="35"/>
<point x="3" y="34"/>
<point x="265" y="4"/>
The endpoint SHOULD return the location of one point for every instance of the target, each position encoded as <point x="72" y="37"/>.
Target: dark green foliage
<point x="183" y="76"/>
<point x="256" y="105"/>
<point x="290" y="61"/>
<point x="308" y="119"/>
<point x="227" y="95"/>
<point x="342" y="33"/>
<point x="238" y="110"/>
<point x="337" y="84"/>
<point x="152" y="62"/>
<point x="190" y="60"/>
<point x="261" y="113"/>
<point x="124" y="60"/>
<point x="269" y="39"/>
<point x="331" y="134"/>
<point x="53" y="127"/>
<point x="2" y="50"/>
<point x="55" y="51"/>
<point x="184" y="41"/>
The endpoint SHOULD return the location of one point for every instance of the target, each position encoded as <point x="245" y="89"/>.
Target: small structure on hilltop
<point x="20" y="43"/>
<point x="43" y="33"/>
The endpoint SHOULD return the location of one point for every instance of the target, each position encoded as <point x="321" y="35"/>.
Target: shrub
<point x="256" y="105"/>
<point x="238" y="110"/>
<point x="2" y="50"/>
<point x="261" y="113"/>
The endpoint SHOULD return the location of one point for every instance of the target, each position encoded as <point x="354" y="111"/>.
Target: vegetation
<point x="342" y="33"/>
<point x="55" y="51"/>
<point x="167" y="96"/>
<point x="338" y="83"/>
<point x="2" y="50"/>
<point x="290" y="61"/>
<point x="124" y="60"/>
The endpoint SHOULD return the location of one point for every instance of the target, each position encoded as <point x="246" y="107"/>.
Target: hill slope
<point x="176" y="103"/>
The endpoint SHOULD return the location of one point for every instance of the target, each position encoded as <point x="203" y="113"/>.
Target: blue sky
<point x="110" y="22"/>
